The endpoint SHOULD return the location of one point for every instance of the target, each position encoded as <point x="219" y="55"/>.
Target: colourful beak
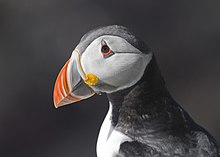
<point x="69" y="86"/>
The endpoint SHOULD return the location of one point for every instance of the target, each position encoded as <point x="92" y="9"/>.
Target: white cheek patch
<point x="132" y="69"/>
<point x="122" y="70"/>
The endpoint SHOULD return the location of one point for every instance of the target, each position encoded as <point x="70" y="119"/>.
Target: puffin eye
<point x="106" y="51"/>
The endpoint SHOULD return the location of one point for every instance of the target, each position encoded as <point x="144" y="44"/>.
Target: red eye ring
<point x="105" y="50"/>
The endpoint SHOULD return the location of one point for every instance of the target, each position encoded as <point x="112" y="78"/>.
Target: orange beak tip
<point x="61" y="102"/>
<point x="69" y="79"/>
<point x="56" y="105"/>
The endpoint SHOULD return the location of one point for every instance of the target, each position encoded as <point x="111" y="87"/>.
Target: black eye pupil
<point x="105" y="49"/>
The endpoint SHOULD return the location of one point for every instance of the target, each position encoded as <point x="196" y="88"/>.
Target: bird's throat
<point x="147" y="102"/>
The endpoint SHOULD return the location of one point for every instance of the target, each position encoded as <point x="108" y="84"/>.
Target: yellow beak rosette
<point x="91" y="79"/>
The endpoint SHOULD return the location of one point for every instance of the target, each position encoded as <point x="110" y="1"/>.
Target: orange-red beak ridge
<point x="62" y="92"/>
<point x="69" y="86"/>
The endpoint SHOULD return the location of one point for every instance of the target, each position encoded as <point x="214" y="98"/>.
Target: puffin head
<point x="107" y="59"/>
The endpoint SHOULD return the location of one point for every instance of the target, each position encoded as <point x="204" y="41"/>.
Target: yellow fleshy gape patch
<point x="91" y="79"/>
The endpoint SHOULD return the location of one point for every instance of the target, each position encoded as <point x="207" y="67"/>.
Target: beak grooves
<point x="62" y="92"/>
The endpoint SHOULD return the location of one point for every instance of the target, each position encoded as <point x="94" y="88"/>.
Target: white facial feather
<point x="121" y="70"/>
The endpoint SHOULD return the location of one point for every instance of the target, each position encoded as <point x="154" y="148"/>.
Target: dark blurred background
<point x="37" y="37"/>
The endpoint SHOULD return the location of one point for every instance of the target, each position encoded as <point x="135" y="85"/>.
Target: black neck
<point x="148" y="102"/>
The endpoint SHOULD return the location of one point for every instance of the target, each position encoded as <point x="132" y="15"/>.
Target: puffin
<point x="143" y="119"/>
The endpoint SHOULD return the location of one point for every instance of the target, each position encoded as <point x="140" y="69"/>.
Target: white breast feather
<point x="109" y="141"/>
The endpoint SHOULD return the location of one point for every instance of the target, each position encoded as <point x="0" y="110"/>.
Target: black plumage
<point x="147" y="113"/>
